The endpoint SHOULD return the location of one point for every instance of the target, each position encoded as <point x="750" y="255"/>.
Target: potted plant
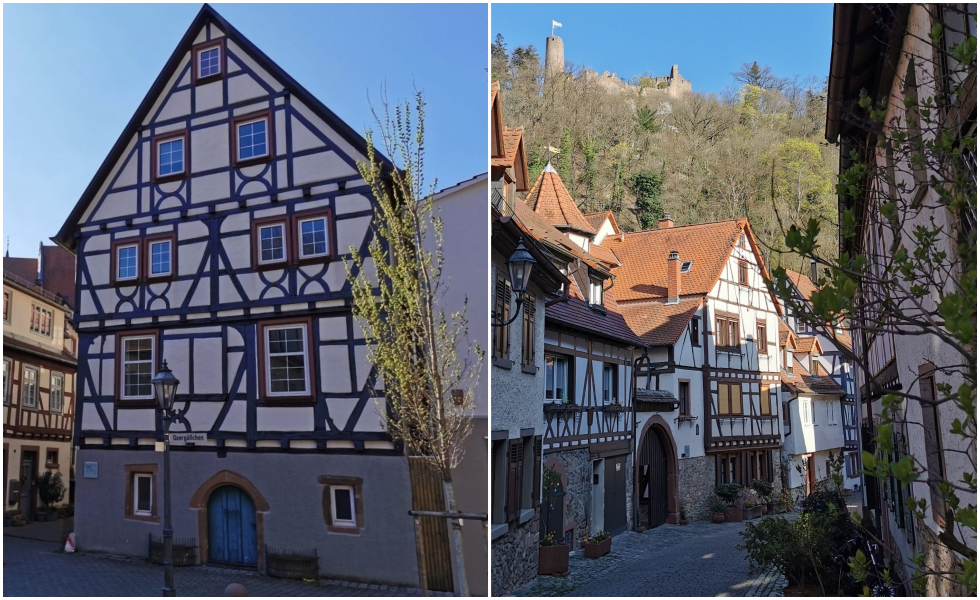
<point x="683" y="520"/>
<point x="50" y="490"/>
<point x="552" y="555"/>
<point x="597" y="545"/>
<point x="751" y="510"/>
<point x="717" y="510"/>
<point x="729" y="493"/>
<point x="763" y="490"/>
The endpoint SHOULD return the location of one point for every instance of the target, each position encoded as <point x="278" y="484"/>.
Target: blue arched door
<point x="231" y="527"/>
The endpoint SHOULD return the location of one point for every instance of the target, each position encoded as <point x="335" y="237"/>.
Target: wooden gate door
<point x="653" y="484"/>
<point x="433" y="542"/>
<point x="615" y="500"/>
<point x="28" y="489"/>
<point x="231" y="527"/>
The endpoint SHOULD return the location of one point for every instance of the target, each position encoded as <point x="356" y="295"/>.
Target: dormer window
<point x="686" y="266"/>
<point x="252" y="139"/>
<point x="170" y="156"/>
<point x="209" y="63"/>
<point x="595" y="292"/>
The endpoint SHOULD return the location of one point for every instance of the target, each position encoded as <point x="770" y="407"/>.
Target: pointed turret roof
<point x="550" y="199"/>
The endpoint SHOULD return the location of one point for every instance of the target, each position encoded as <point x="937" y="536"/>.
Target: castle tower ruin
<point x="554" y="56"/>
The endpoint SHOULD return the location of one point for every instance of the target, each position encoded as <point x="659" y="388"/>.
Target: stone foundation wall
<point x="514" y="557"/>
<point x="630" y="524"/>
<point x="696" y="486"/>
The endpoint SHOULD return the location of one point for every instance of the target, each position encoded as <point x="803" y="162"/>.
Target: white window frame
<point x="136" y="495"/>
<point x="611" y="387"/>
<point x="326" y="237"/>
<point x="555" y="359"/>
<point x="41" y="312"/>
<point x="7" y="365"/>
<point x="123" y="362"/>
<point x="805" y="412"/>
<point x="595" y="292"/>
<point x="282" y="226"/>
<point x="25" y="387"/>
<point x="170" y="259"/>
<point x="60" y="389"/>
<point x="238" y="138"/>
<point x="198" y="65"/>
<point x="305" y="354"/>
<point x="118" y="249"/>
<point x="686" y="266"/>
<point x="352" y="522"/>
<point x="183" y="156"/>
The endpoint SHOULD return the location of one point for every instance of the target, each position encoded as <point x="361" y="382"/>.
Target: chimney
<point x="673" y="278"/>
<point x="813" y="271"/>
<point x="665" y="222"/>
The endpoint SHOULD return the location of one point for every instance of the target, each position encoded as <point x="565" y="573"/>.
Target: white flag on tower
<point x="555" y="23"/>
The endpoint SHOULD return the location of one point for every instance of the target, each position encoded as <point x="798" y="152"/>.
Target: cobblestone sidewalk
<point x="699" y="559"/>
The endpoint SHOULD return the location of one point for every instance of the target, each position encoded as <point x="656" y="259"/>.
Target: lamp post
<point x="520" y="264"/>
<point x="165" y="389"/>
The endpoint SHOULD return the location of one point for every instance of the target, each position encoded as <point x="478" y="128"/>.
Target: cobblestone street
<point x="36" y="568"/>
<point x="699" y="559"/>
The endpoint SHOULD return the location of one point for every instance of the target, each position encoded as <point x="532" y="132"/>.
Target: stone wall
<point x="696" y="486"/>
<point x="578" y="491"/>
<point x="514" y="557"/>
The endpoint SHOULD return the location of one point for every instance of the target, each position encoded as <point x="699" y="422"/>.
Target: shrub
<point x="50" y="489"/>
<point x="729" y="492"/>
<point x="717" y="506"/>
<point x="763" y="489"/>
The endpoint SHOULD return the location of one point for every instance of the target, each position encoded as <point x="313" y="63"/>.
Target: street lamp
<point x="520" y="264"/>
<point x="165" y="389"/>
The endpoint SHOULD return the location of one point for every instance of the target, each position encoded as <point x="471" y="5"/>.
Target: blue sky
<point x="74" y="74"/>
<point x="707" y="41"/>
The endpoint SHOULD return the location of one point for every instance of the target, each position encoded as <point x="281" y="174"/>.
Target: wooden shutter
<point x="528" y="353"/>
<point x="515" y="477"/>
<point x="536" y="490"/>
<point x="501" y="308"/>
<point x="724" y="407"/>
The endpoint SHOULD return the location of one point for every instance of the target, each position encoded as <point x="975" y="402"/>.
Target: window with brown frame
<point x="6" y="307"/>
<point x="343" y="503"/>
<point x="286" y="361"/>
<point x="761" y="341"/>
<point x="743" y="467"/>
<point x="136" y="355"/>
<point x="729" y="398"/>
<point x="141" y="492"/>
<point x="252" y="139"/>
<point x="684" y="396"/>
<point x="51" y="458"/>
<point x="41" y="320"/>
<point x="743" y="273"/>
<point x="209" y="61"/>
<point x="314" y="236"/>
<point x="161" y="257"/>
<point x="501" y="313"/>
<point x="727" y="333"/>
<point x="170" y="159"/>
<point x="935" y="461"/>
<point x="527" y="351"/>
<point x="139" y="260"/>
<point x="696" y="331"/>
<point x="765" y="405"/>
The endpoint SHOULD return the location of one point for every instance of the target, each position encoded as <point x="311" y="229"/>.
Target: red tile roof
<point x="512" y="140"/>
<point x="807" y="344"/>
<point x="803" y="284"/>
<point x="541" y="230"/>
<point x="802" y="381"/>
<point x="786" y="335"/>
<point x="25" y="268"/>
<point x="658" y="323"/>
<point x="609" y="322"/>
<point x="604" y="254"/>
<point x="550" y="198"/>
<point x="644" y="254"/>
<point x="597" y="219"/>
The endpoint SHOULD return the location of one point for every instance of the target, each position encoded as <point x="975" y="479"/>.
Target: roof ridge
<point x="683" y="226"/>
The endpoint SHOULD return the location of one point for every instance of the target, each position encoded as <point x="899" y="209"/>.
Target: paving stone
<point x="699" y="559"/>
<point x="38" y="568"/>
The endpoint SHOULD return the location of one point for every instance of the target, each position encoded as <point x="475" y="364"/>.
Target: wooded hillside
<point x="756" y="150"/>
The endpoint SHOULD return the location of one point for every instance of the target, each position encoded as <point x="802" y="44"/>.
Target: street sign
<point x="91" y="470"/>
<point x="180" y="439"/>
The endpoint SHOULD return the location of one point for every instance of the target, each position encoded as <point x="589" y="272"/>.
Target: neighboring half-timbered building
<point x="214" y="237"/>
<point x="39" y="347"/>
<point x="589" y="352"/>
<point x="707" y="398"/>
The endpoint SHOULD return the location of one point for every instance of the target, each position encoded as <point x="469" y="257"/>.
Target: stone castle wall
<point x="578" y="491"/>
<point x="696" y="486"/>
<point x="514" y="557"/>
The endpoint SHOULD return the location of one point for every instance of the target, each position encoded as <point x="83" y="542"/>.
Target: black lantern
<point x="165" y="387"/>
<point x="520" y="264"/>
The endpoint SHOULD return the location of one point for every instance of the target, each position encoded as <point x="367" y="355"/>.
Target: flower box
<point x="751" y="512"/>
<point x="733" y="514"/>
<point x="595" y="550"/>
<point x="552" y="559"/>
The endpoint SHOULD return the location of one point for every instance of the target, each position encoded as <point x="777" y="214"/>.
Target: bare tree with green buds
<point x="908" y="270"/>
<point x="424" y="357"/>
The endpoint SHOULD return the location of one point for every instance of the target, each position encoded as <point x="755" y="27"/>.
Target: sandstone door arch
<point x="201" y="501"/>
<point x="656" y="476"/>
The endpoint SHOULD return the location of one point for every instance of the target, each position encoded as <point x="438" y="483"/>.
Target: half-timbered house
<point x="707" y="389"/>
<point x="589" y="352"/>
<point x="214" y="237"/>
<point x="835" y="363"/>
<point x="517" y="371"/>
<point x="811" y="409"/>
<point x="39" y="363"/>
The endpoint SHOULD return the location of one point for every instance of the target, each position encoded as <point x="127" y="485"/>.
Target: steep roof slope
<point x="550" y="198"/>
<point x="803" y="284"/>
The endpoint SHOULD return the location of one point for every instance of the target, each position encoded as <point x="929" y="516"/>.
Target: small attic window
<point x="209" y="61"/>
<point x="686" y="266"/>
